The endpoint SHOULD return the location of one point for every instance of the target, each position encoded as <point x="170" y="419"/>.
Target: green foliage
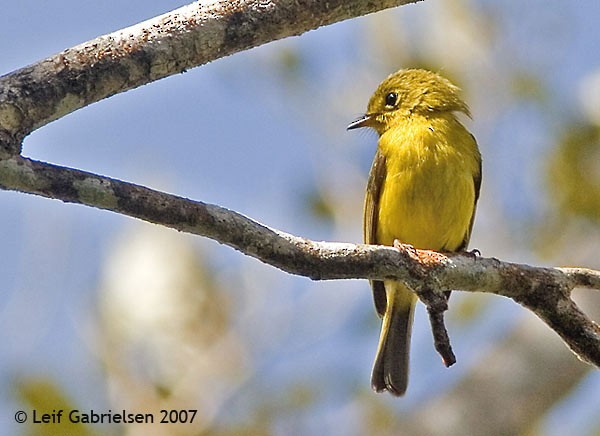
<point x="574" y="173"/>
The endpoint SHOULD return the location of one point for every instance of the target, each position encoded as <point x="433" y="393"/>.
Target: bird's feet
<point x="406" y="248"/>
<point x="422" y="256"/>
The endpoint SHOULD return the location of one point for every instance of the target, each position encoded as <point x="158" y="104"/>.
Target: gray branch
<point x="169" y="44"/>
<point x="545" y="291"/>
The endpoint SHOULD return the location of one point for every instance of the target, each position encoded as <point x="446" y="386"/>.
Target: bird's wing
<point x="477" y="184"/>
<point x="371" y="212"/>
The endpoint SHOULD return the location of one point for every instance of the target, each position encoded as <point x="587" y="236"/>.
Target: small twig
<point x="432" y="295"/>
<point x="437" y="304"/>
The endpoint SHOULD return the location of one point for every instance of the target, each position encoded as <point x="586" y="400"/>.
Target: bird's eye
<point x="391" y="99"/>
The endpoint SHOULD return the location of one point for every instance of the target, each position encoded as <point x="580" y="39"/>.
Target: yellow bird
<point x="422" y="190"/>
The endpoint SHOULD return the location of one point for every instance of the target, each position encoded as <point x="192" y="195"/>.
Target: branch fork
<point x="432" y="295"/>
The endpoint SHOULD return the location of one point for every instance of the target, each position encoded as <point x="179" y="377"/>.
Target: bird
<point x="422" y="190"/>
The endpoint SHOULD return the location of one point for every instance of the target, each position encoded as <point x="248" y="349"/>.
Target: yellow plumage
<point x="423" y="188"/>
<point x="427" y="199"/>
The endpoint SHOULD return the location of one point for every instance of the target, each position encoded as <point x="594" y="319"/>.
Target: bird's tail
<point x="390" y="371"/>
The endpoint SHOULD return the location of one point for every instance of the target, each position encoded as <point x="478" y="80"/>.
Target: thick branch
<point x="545" y="291"/>
<point x="187" y="37"/>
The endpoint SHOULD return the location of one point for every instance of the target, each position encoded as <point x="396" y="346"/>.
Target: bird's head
<point x="408" y="92"/>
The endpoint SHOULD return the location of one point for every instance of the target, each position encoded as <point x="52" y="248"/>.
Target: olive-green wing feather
<point x="370" y="218"/>
<point x="477" y="184"/>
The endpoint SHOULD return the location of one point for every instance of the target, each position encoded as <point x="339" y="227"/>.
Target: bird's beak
<point x="367" y="120"/>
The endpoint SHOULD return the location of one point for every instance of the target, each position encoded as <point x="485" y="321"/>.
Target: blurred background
<point x="100" y="311"/>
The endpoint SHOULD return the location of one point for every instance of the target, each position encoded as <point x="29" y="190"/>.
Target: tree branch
<point x="545" y="291"/>
<point x="171" y="43"/>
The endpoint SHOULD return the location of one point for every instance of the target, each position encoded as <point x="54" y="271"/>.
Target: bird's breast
<point x="428" y="195"/>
